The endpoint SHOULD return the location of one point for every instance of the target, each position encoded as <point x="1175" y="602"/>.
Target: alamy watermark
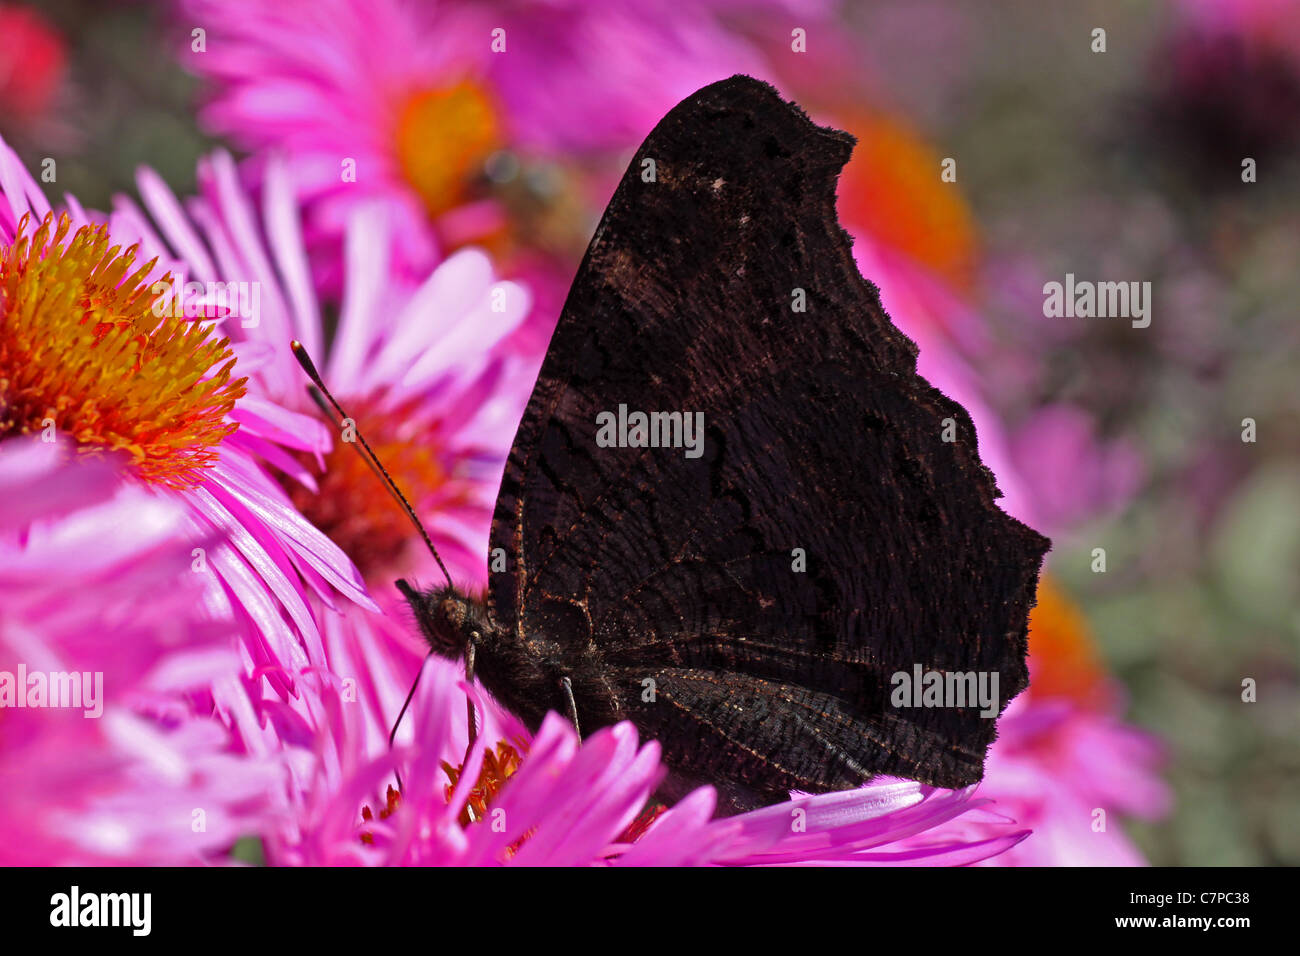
<point x="209" y="300"/>
<point x="74" y="689"/>
<point x="1103" y="300"/>
<point x="626" y="429"/>
<point x="75" y="908"/>
<point x="923" y="688"/>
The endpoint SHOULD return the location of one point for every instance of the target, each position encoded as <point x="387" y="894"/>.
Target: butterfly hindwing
<point x="750" y="597"/>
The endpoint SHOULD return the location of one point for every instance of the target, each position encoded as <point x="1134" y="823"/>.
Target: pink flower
<point x="416" y="363"/>
<point x="406" y="103"/>
<point x="421" y="368"/>
<point x="1074" y="474"/>
<point x="1070" y="774"/>
<point x="572" y="802"/>
<point x="95" y="583"/>
<point x="161" y="388"/>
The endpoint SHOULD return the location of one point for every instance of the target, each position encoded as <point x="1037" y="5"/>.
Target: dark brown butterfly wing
<point x="819" y="436"/>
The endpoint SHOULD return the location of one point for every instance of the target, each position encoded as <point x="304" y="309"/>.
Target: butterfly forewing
<point x="748" y="598"/>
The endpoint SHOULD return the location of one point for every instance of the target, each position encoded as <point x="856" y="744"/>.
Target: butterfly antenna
<point x="367" y="453"/>
<point x="333" y="419"/>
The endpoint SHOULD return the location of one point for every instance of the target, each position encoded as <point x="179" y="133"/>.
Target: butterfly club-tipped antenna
<point x="318" y="390"/>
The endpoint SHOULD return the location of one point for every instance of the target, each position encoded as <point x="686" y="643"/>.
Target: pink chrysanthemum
<point x="405" y="103"/>
<point x="1072" y="774"/>
<point x="113" y="775"/>
<point x="418" y="367"/>
<point x="557" y="801"/>
<point x="90" y="348"/>
<point x="416" y="364"/>
<point x="1064" y="762"/>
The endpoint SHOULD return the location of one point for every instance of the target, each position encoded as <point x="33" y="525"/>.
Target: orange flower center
<point x="443" y="137"/>
<point x="82" y="352"/>
<point x="892" y="190"/>
<point x="498" y="767"/>
<point x="1063" y="661"/>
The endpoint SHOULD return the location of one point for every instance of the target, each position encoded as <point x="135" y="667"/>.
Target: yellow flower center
<point x="81" y="351"/>
<point x="443" y="137"/>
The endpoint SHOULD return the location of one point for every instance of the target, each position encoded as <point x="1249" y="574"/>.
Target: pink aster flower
<point x="1072" y="774"/>
<point x="405" y="103"/>
<point x="420" y="368"/>
<point x="97" y="595"/>
<point x="416" y="364"/>
<point x="84" y="352"/>
<point x="1065" y="763"/>
<point x="570" y="802"/>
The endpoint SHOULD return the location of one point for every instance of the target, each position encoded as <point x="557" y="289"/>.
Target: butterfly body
<point x="525" y="676"/>
<point x="747" y="600"/>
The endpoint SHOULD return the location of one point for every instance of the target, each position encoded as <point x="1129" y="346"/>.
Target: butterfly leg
<point x="471" y="720"/>
<point x="567" y="686"/>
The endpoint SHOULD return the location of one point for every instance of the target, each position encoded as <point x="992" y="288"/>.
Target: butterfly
<point x="733" y="512"/>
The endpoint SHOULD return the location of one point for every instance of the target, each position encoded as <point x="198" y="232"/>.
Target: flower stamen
<point x="82" y="352"/>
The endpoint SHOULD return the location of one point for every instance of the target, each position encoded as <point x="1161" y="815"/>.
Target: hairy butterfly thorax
<point x="449" y="621"/>
<point x="528" y="677"/>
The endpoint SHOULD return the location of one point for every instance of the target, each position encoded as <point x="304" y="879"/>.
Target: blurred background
<point x="1122" y="163"/>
